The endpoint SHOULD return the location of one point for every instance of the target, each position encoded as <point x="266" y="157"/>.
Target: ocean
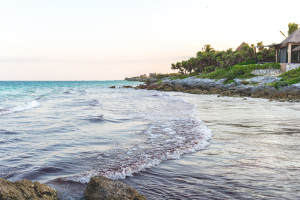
<point x="168" y="145"/>
<point x="64" y="132"/>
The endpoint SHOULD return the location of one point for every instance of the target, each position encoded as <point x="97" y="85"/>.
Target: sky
<point x="111" y="40"/>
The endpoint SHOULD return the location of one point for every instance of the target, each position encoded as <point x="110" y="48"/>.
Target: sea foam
<point x="19" y="108"/>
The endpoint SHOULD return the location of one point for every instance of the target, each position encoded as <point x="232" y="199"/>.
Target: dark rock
<point x="127" y="86"/>
<point x="26" y="190"/>
<point x="112" y="86"/>
<point x="102" y="188"/>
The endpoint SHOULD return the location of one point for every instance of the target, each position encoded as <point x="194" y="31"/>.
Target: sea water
<point x="67" y="132"/>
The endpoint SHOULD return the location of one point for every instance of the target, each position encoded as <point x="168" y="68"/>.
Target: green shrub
<point x="238" y="71"/>
<point x="291" y="77"/>
<point x="209" y="69"/>
<point x="247" y="62"/>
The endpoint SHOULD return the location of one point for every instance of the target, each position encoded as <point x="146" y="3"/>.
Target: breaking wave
<point x="19" y="108"/>
<point x="160" y="141"/>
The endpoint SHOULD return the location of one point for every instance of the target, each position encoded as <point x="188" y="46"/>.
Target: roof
<point x="271" y="45"/>
<point x="293" y="38"/>
<point x="241" y="46"/>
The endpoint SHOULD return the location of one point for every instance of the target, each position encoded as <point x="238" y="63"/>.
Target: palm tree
<point x="207" y="48"/>
<point x="260" y="46"/>
<point x="292" y="28"/>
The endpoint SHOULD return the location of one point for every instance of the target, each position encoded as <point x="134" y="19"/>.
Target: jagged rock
<point x="151" y="81"/>
<point x="25" y="190"/>
<point x="102" y="188"/>
<point x="112" y="86"/>
<point x="237" y="89"/>
<point x="262" y="91"/>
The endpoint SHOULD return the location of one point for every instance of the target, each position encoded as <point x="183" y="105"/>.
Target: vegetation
<point x="291" y="77"/>
<point x="238" y="71"/>
<point x="292" y="27"/>
<point x="288" y="78"/>
<point x="208" y="59"/>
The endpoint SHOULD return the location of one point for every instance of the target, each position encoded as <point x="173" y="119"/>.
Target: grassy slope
<point x="288" y="78"/>
<point x="238" y="71"/>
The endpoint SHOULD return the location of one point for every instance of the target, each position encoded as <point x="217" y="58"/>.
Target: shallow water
<point x="254" y="154"/>
<point x="63" y="133"/>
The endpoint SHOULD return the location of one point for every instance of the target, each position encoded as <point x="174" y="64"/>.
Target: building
<point x="288" y="52"/>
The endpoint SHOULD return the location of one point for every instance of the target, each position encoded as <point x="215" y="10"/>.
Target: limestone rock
<point x="100" y="188"/>
<point x="26" y="190"/>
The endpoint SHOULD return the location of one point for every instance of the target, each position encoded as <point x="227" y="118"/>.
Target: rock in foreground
<point x="26" y="190"/>
<point x="100" y="188"/>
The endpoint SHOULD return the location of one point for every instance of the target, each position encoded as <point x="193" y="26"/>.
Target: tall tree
<point x="292" y="27"/>
<point x="260" y="46"/>
<point x="207" y="48"/>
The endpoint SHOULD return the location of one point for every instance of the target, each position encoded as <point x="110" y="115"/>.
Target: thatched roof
<point x="241" y="46"/>
<point x="293" y="38"/>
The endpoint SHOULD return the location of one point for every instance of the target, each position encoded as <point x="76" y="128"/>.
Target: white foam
<point x="20" y="108"/>
<point x="174" y="130"/>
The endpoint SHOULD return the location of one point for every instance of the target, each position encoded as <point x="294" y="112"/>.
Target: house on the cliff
<point x="288" y="52"/>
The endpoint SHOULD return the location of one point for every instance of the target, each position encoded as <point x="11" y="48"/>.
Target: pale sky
<point x="114" y="39"/>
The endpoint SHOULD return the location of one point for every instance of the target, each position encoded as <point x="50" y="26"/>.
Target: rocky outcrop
<point x="262" y="72"/>
<point x="240" y="88"/>
<point x="25" y="190"/>
<point x="100" y="188"/>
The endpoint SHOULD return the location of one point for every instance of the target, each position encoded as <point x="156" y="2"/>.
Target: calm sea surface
<point x="63" y="133"/>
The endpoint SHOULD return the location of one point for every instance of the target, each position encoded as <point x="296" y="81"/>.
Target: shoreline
<point x="209" y="86"/>
<point x="248" y="156"/>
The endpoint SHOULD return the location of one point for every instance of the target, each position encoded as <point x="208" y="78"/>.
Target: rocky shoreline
<point x="98" y="188"/>
<point x="256" y="87"/>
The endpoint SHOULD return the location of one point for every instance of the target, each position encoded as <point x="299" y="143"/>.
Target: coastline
<point x="254" y="154"/>
<point x="237" y="155"/>
<point x="209" y="86"/>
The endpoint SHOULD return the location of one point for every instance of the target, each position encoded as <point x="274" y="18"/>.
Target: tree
<point x="207" y="48"/>
<point x="260" y="46"/>
<point x="292" y="27"/>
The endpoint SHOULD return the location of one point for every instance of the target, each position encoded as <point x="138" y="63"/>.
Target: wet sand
<point x="254" y="154"/>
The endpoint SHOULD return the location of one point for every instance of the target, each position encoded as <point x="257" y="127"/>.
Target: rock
<point x="239" y="88"/>
<point x="151" y="81"/>
<point x="112" y="86"/>
<point x="101" y="188"/>
<point x="127" y="86"/>
<point x="26" y="190"/>
<point x="244" y="98"/>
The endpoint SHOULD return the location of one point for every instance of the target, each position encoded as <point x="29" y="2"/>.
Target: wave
<point x="99" y="118"/>
<point x="83" y="102"/>
<point x="5" y="132"/>
<point x="19" y="108"/>
<point x="93" y="102"/>
<point x="163" y="141"/>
